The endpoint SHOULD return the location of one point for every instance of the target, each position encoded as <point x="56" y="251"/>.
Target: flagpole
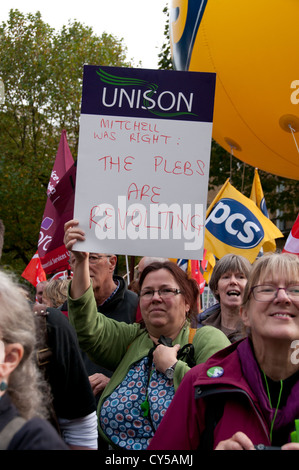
<point x="127" y="266"/>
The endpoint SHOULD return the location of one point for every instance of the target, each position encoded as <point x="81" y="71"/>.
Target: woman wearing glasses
<point x="148" y="373"/>
<point x="248" y="394"/>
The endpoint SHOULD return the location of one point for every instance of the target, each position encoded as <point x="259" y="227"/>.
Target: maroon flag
<point x="59" y="209"/>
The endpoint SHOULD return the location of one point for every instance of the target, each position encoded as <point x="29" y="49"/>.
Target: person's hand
<point x="290" y="446"/>
<point x="98" y="382"/>
<point x="164" y="356"/>
<point x="238" y="441"/>
<point x="72" y="234"/>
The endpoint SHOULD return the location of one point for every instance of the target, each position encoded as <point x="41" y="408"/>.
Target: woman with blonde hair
<point x="55" y="293"/>
<point x="247" y="395"/>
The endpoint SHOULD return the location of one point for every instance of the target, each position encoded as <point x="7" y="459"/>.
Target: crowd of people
<point x="95" y="364"/>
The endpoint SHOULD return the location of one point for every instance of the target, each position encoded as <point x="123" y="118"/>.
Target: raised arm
<point x="81" y="280"/>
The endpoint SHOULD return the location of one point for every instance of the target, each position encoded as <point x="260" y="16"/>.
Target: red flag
<point x="197" y="269"/>
<point x="292" y="243"/>
<point x="34" y="272"/>
<point x="197" y="275"/>
<point x="59" y="209"/>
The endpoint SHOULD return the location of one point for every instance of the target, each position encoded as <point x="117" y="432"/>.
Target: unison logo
<point x="234" y="224"/>
<point x="154" y="222"/>
<point x="130" y="92"/>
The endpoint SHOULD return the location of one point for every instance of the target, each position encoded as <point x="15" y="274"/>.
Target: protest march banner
<point x="58" y="210"/>
<point x="143" y="161"/>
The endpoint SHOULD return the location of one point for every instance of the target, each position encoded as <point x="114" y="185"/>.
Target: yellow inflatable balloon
<point x="252" y="46"/>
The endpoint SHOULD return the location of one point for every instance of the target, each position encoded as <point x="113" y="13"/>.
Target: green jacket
<point x="116" y="345"/>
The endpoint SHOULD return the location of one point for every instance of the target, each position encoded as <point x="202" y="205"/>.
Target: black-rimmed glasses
<point x="266" y="293"/>
<point x="164" y="293"/>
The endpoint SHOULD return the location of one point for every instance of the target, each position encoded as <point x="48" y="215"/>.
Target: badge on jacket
<point x="216" y="371"/>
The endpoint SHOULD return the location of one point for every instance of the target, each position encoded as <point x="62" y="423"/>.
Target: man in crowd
<point x="39" y="291"/>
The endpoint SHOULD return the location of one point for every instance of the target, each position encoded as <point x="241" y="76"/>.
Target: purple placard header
<point x="145" y="93"/>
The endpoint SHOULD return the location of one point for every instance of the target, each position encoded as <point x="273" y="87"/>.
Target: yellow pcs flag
<point x="257" y="196"/>
<point x="234" y="224"/>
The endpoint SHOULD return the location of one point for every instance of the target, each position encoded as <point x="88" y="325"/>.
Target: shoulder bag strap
<point x="10" y="430"/>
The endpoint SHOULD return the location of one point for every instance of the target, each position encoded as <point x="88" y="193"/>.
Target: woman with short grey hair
<point x="227" y="283"/>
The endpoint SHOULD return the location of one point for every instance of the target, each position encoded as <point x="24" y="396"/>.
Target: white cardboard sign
<point x="143" y="161"/>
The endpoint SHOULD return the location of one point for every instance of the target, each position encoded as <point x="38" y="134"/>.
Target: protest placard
<point x="143" y="161"/>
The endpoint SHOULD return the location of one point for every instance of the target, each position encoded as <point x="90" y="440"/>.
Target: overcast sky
<point x="140" y="23"/>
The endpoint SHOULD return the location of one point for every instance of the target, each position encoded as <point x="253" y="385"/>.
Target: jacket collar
<point x="241" y="370"/>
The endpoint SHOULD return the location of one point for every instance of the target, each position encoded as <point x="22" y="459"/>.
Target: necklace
<point x="270" y="403"/>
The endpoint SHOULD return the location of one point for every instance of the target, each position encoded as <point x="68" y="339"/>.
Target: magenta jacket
<point x="232" y="377"/>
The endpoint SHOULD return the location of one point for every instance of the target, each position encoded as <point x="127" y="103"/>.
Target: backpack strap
<point x="187" y="350"/>
<point x="10" y="430"/>
<point x="192" y="332"/>
<point x="186" y="353"/>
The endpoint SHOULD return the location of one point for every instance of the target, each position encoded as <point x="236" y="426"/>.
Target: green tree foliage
<point x="42" y="73"/>
<point x="75" y="46"/>
<point x="165" y="60"/>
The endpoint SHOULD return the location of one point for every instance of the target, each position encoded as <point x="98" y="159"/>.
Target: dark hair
<point x="187" y="285"/>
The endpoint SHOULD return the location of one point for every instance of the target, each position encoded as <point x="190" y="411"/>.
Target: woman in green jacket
<point x="148" y="358"/>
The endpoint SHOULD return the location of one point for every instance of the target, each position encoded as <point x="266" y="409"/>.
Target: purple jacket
<point x="236" y="379"/>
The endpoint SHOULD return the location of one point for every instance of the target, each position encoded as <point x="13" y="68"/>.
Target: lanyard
<point x="269" y="398"/>
<point x="145" y="407"/>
